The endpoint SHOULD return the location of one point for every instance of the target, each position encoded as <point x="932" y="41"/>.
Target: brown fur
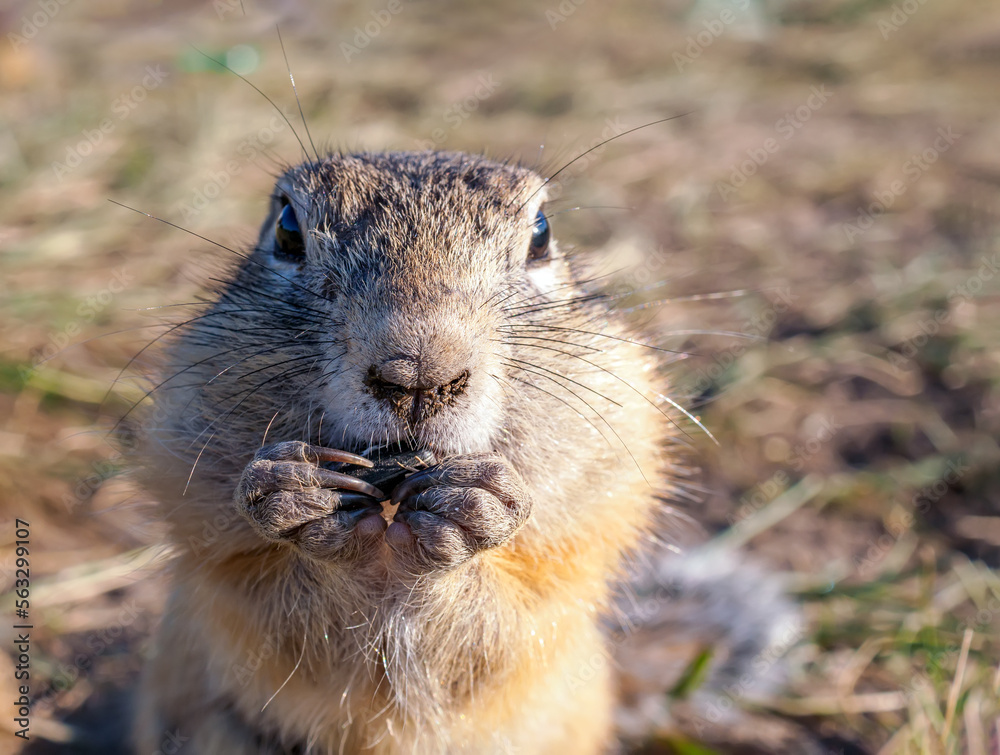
<point x="493" y="644"/>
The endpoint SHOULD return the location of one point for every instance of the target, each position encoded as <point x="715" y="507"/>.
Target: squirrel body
<point x="398" y="299"/>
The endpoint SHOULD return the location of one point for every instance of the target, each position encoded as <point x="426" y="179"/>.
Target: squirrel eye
<point x="539" y="246"/>
<point x="291" y="246"/>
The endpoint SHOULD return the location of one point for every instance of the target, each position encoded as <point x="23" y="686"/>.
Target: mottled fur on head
<point x="408" y="260"/>
<point x="416" y="273"/>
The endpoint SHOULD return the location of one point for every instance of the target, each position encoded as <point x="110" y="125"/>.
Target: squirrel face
<point x="408" y="265"/>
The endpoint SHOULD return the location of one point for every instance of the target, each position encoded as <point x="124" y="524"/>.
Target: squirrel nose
<point x="398" y="382"/>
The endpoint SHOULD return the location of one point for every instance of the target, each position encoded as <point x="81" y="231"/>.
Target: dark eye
<point x="290" y="245"/>
<point x="539" y="247"/>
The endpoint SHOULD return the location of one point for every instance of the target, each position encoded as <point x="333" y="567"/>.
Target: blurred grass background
<point x="838" y="162"/>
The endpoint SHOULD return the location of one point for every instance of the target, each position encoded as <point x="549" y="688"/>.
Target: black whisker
<point x="598" y="334"/>
<point x="295" y="91"/>
<point x="290" y="373"/>
<point x="245" y="375"/>
<point x="261" y="93"/>
<point x="498" y="294"/>
<point x="587" y="207"/>
<point x="589" y="406"/>
<point x="557" y="304"/>
<point x="563" y="401"/>
<point x="554" y="340"/>
<point x="572" y="284"/>
<point x="233" y="285"/>
<point x="633" y="389"/>
<point x="615" y="297"/>
<point x="177" y="374"/>
<point x="600" y="144"/>
<point x="564" y="377"/>
<point x="241" y="255"/>
<point x="272" y="349"/>
<point x="255" y="388"/>
<point x="171" y="329"/>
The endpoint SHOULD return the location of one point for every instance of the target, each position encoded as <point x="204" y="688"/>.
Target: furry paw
<point x="455" y="509"/>
<point x="287" y="497"/>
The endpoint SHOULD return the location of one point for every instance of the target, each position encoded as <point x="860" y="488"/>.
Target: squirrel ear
<point x="289" y="244"/>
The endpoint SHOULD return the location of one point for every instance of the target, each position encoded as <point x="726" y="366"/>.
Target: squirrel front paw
<point x="453" y="510"/>
<point x="287" y="497"/>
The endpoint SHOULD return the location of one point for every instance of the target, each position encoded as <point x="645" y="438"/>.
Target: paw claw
<point x="451" y="511"/>
<point x="286" y="497"/>
<point x="296" y="450"/>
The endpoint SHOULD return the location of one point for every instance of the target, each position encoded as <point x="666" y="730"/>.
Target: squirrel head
<point x="407" y="267"/>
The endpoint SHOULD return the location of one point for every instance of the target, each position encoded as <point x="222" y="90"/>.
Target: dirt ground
<point x="820" y="227"/>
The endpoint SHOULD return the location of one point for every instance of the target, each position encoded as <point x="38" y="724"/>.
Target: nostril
<point x="377" y="384"/>
<point x="454" y="387"/>
<point x="409" y="399"/>
<point x="430" y="401"/>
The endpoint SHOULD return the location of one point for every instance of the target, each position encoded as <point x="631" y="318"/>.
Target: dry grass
<point x="858" y="437"/>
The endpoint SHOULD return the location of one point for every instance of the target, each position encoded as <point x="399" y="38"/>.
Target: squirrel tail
<point x="697" y="635"/>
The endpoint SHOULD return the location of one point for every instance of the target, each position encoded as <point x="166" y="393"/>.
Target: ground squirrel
<point x="398" y="306"/>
